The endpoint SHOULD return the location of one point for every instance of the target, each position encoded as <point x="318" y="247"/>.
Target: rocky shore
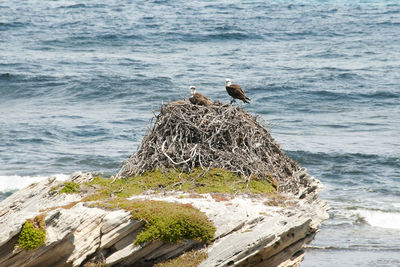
<point x="93" y="221"/>
<point x="249" y="230"/>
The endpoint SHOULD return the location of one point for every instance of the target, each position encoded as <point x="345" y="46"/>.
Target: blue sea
<point x="80" y="81"/>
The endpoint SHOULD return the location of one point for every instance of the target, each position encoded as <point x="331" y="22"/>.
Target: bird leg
<point x="233" y="101"/>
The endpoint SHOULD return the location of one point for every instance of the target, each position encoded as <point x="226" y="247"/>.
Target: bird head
<point x="192" y="90"/>
<point x="228" y="82"/>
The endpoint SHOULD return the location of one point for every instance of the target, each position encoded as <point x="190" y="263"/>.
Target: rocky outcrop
<point x="271" y="213"/>
<point x="249" y="230"/>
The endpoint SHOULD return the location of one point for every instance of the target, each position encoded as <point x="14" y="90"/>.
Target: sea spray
<point x="14" y="182"/>
<point x="383" y="219"/>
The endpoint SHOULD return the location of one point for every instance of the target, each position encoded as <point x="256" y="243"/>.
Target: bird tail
<point x="247" y="100"/>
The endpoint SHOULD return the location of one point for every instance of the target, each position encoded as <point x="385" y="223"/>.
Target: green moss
<point x="33" y="234"/>
<point x="214" y="181"/>
<point x="70" y="188"/>
<point x="169" y="222"/>
<point x="258" y="186"/>
<point x="189" y="259"/>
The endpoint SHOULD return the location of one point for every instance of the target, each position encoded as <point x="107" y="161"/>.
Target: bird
<point x="235" y="91"/>
<point x="198" y="99"/>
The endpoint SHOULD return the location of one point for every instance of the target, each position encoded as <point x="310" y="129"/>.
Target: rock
<point x="116" y="226"/>
<point x="27" y="203"/>
<point x="248" y="231"/>
<point x="79" y="177"/>
<point x="219" y="141"/>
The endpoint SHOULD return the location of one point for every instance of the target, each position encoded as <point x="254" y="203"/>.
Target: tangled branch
<point x="187" y="136"/>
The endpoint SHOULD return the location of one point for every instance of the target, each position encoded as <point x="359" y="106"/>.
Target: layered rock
<point x="267" y="225"/>
<point x="249" y="231"/>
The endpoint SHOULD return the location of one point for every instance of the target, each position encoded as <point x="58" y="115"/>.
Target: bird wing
<point x="192" y="100"/>
<point x="235" y="91"/>
<point x="200" y="99"/>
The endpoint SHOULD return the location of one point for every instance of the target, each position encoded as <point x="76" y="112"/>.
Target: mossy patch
<point x="169" y="222"/>
<point x="189" y="259"/>
<point x="33" y="233"/>
<point x="198" y="181"/>
<point x="69" y="188"/>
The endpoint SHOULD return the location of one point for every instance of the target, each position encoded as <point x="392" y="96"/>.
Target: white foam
<point x="381" y="219"/>
<point x="15" y="182"/>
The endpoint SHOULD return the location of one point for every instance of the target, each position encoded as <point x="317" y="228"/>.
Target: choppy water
<point x="79" y="81"/>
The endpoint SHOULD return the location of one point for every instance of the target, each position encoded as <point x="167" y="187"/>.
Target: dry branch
<point x="186" y="136"/>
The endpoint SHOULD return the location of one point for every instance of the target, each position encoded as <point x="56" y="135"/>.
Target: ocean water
<point x="80" y="80"/>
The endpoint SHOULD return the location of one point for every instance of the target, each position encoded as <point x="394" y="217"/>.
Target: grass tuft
<point x="70" y="188"/>
<point x="169" y="222"/>
<point x="189" y="259"/>
<point x="33" y="233"/>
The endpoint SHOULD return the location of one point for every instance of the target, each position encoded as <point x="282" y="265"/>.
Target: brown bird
<point x="235" y="91"/>
<point x="198" y="99"/>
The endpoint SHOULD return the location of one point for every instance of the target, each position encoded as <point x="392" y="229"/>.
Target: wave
<point x="16" y="86"/>
<point x="373" y="94"/>
<point x="9" y="25"/>
<point x="5" y="76"/>
<point x="386" y="160"/>
<point x="69" y="87"/>
<point x="81" y="40"/>
<point x="219" y="35"/>
<point x="357" y="170"/>
<point x="113" y="87"/>
<point x="350" y="248"/>
<point x="74" y="6"/>
<point x="15" y="182"/>
<point x="382" y="219"/>
<point x="389" y="23"/>
<point x="381" y="95"/>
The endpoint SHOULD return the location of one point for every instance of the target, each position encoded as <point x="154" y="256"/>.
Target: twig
<point x="189" y="136"/>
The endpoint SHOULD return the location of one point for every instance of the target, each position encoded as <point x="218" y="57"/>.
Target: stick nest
<point x="187" y="136"/>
